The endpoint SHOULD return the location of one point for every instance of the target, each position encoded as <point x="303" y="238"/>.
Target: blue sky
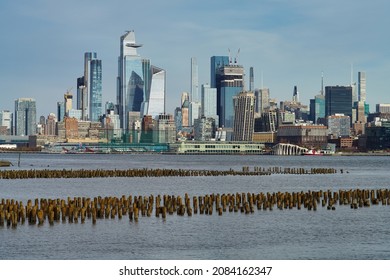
<point x="290" y="42"/>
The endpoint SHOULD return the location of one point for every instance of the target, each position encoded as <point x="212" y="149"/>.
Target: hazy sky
<point x="290" y="41"/>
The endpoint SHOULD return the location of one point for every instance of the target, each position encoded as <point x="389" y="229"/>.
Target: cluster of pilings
<point x="145" y="172"/>
<point x="78" y="209"/>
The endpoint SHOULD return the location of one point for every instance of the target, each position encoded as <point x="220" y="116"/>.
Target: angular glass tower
<point x="140" y="86"/>
<point x="25" y="116"/>
<point x="216" y="62"/>
<point x="89" y="88"/>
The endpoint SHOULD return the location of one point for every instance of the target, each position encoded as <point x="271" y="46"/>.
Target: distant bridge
<point x="282" y="149"/>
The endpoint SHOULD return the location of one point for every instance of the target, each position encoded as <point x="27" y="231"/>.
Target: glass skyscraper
<point x="338" y="100"/>
<point x="216" y="62"/>
<point x="140" y="86"/>
<point x="317" y="109"/>
<point x="89" y="88"/>
<point x="229" y="82"/>
<point x="25" y="116"/>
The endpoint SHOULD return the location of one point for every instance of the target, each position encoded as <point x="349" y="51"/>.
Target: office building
<point x="317" y="109"/>
<point x="209" y="102"/>
<point x="262" y="100"/>
<point x="362" y="86"/>
<point x="339" y="126"/>
<point x="25" y="117"/>
<point x="60" y="111"/>
<point x="338" y="100"/>
<point x="6" y="122"/>
<point x="383" y="108"/>
<point x="244" y="116"/>
<point x="140" y="86"/>
<point x="216" y="62"/>
<point x="229" y="83"/>
<point x="185" y="106"/>
<point x="50" y="125"/>
<point x="204" y="129"/>
<point x="194" y="80"/>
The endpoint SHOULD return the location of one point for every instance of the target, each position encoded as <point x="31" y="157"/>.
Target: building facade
<point x="317" y="109"/>
<point x="140" y="86"/>
<point x="310" y="136"/>
<point x="229" y="83"/>
<point x="362" y="86"/>
<point x="339" y="126"/>
<point x="6" y="122"/>
<point x="338" y="100"/>
<point x="244" y="116"/>
<point x="216" y="62"/>
<point x="25" y="116"/>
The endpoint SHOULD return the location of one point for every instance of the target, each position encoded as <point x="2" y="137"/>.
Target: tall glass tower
<point x="25" y="116"/>
<point x="216" y="62"/>
<point x="95" y="92"/>
<point x="89" y="88"/>
<point x="338" y="100"/>
<point x="140" y="86"/>
<point x="229" y="82"/>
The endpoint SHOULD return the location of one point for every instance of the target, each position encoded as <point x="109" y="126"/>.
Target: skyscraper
<point x="25" y="116"/>
<point x="362" y="86"/>
<point x="89" y="88"/>
<point x="262" y="100"/>
<point x="6" y="122"/>
<point x="216" y="62"/>
<point x="251" y="79"/>
<point x="68" y="102"/>
<point x="209" y="102"/>
<point x="317" y="109"/>
<point x="60" y="111"/>
<point x="229" y="82"/>
<point x="194" y="80"/>
<point x="338" y="100"/>
<point x="95" y="91"/>
<point x="244" y="116"/>
<point x="140" y="86"/>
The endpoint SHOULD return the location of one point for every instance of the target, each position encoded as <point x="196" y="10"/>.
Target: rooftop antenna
<point x="322" y="82"/>
<point x="230" y="58"/>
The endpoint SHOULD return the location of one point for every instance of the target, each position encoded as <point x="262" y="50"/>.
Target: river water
<point x="278" y="234"/>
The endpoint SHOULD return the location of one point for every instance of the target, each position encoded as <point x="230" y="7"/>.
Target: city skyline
<point x="287" y="42"/>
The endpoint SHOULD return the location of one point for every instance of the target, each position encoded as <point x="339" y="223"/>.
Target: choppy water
<point x="287" y="234"/>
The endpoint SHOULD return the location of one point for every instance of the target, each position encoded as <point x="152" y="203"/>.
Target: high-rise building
<point x="60" y="111"/>
<point x="194" y="80"/>
<point x="338" y="100"/>
<point x="339" y="126"/>
<point x="244" y="116"/>
<point x="25" y="116"/>
<point x="140" y="86"/>
<point x="209" y="102"/>
<point x="165" y="129"/>
<point x="262" y="100"/>
<point x="383" y="108"/>
<point x="185" y="105"/>
<point x="89" y="88"/>
<point x="317" y="109"/>
<point x="362" y="86"/>
<point x="194" y="112"/>
<point x="95" y="91"/>
<point x="6" y="122"/>
<point x="216" y="62"/>
<point x="204" y="129"/>
<point x="68" y="102"/>
<point x="155" y="104"/>
<point x="251" y="79"/>
<point x="229" y="83"/>
<point x="295" y="95"/>
<point x="50" y="126"/>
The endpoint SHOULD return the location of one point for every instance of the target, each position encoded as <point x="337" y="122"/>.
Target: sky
<point x="287" y="42"/>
